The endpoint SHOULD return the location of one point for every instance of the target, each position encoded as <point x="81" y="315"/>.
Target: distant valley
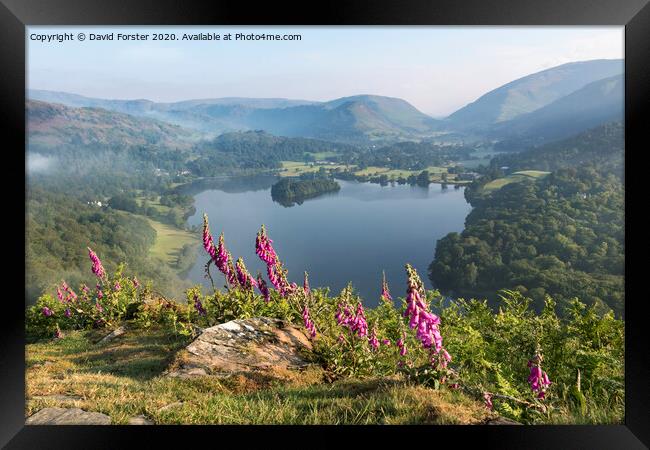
<point x="536" y="107"/>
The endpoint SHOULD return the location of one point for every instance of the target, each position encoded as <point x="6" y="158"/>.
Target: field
<point x="155" y="204"/>
<point x="296" y="168"/>
<point x="322" y="155"/>
<point x="124" y="378"/>
<point x="514" y="178"/>
<point x="169" y="242"/>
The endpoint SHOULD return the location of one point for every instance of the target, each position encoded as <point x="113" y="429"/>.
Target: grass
<point x="155" y="204"/>
<point x="124" y="378"/>
<point x="514" y="177"/>
<point x="295" y="168"/>
<point x="169" y="241"/>
<point x="396" y="173"/>
<point x="322" y="155"/>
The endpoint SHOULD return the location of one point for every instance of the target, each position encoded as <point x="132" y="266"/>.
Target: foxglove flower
<point x="244" y="278"/>
<point x="374" y="342"/>
<point x="355" y="322"/>
<point x="67" y="312"/>
<point x="274" y="269"/>
<point x="425" y="322"/>
<point x="57" y="333"/>
<point x="230" y="271"/>
<point x="100" y="294"/>
<point x="99" y="307"/>
<point x="47" y="312"/>
<point x="274" y="278"/>
<point x="385" y="342"/>
<point x="208" y="242"/>
<point x="385" y="292"/>
<point x="136" y="283"/>
<point x="223" y="260"/>
<point x="488" y="400"/>
<point x="97" y="267"/>
<point x="360" y="321"/>
<point x="69" y="295"/>
<point x="538" y="379"/>
<point x="264" y="289"/>
<point x="117" y="286"/>
<point x="402" y="346"/>
<point x="199" y="306"/>
<point x="264" y="248"/>
<point x="309" y="324"/>
<point x="221" y="257"/>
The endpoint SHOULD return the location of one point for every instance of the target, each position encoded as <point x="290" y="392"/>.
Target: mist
<point x="37" y="163"/>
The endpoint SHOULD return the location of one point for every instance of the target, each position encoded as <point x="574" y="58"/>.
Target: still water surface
<point x="349" y="236"/>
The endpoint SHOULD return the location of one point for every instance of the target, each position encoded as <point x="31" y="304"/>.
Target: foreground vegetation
<point x="412" y="360"/>
<point x="124" y="379"/>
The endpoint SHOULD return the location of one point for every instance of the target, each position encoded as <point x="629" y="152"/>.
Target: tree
<point x="423" y="178"/>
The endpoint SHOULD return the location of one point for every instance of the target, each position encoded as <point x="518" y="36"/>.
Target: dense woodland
<point x="60" y="227"/>
<point x="407" y="155"/>
<point x="600" y="147"/>
<point x="561" y="235"/>
<point x="255" y="150"/>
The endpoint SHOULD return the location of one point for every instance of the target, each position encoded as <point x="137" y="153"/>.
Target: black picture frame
<point x="633" y="14"/>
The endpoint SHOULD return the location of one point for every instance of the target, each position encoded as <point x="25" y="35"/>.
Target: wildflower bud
<point x="374" y="342"/>
<point x="309" y="325"/>
<point x="305" y="285"/>
<point x="385" y="292"/>
<point x="264" y="290"/>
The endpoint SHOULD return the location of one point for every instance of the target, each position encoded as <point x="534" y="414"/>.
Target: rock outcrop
<point x="244" y="345"/>
<point x="67" y="416"/>
<point x="112" y="335"/>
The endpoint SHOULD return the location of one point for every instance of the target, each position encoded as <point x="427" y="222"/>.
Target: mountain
<point x="531" y="93"/>
<point x="142" y="106"/>
<point x="347" y="119"/>
<point x="597" y="103"/>
<point x="602" y="146"/>
<point x="356" y="118"/>
<point x="55" y="126"/>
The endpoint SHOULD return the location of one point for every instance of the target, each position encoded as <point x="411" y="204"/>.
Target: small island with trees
<point x="291" y="191"/>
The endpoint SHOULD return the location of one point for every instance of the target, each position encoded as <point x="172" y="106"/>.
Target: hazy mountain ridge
<point x="53" y="125"/>
<point x="540" y="107"/>
<point x="347" y="118"/>
<point x="598" y="102"/>
<point x="532" y="92"/>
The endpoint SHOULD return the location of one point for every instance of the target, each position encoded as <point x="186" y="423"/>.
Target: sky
<point x="437" y="69"/>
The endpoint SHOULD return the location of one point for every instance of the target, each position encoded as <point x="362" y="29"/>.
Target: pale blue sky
<point x="437" y="69"/>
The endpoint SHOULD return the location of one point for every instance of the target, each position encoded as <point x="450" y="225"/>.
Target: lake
<point x="349" y="236"/>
